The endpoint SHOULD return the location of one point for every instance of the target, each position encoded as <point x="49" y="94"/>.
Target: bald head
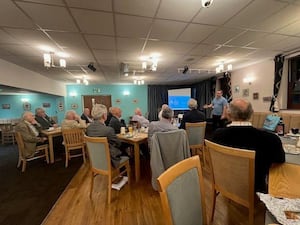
<point x="240" y="110"/>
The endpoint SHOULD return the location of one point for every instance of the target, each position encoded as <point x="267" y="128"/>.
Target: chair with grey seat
<point x="181" y="190"/>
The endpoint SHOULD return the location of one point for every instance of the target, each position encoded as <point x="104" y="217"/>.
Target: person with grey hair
<point x="192" y="116"/>
<point x="163" y="125"/>
<point x="86" y="115"/>
<point x="31" y="133"/>
<point x="98" y="129"/>
<point x="241" y="134"/>
<point x="72" y="120"/>
<point x="138" y="116"/>
<point x="44" y="120"/>
<point x="164" y="106"/>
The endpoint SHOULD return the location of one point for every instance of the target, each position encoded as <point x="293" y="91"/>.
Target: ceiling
<point x="111" y="32"/>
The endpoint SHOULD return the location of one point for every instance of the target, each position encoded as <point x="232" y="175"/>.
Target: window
<point x="294" y="83"/>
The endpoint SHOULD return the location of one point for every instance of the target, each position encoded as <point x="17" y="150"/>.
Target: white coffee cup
<point x="122" y="131"/>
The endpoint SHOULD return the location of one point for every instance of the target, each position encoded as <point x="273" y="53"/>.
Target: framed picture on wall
<point x="46" y="105"/>
<point x="5" y="106"/>
<point x="26" y="106"/>
<point x="74" y="106"/>
<point x="255" y="96"/>
<point x="60" y="106"/>
<point x="246" y="92"/>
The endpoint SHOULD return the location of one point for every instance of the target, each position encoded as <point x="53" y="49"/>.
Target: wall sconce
<point x="49" y="59"/>
<point x="73" y="94"/>
<point x="138" y="81"/>
<point x="126" y="93"/>
<point x="248" y="80"/>
<point x="24" y="100"/>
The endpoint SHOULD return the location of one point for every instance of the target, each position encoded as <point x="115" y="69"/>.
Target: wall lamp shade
<point x="91" y="67"/>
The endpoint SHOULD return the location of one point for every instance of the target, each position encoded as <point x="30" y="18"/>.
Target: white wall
<point x="16" y="76"/>
<point x="263" y="75"/>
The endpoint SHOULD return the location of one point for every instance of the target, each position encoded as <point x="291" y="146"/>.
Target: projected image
<point x="178" y="98"/>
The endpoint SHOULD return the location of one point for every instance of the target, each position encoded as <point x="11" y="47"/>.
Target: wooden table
<point x="135" y="141"/>
<point x="51" y="134"/>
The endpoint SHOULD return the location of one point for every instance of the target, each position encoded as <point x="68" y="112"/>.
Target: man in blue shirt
<point x="219" y="106"/>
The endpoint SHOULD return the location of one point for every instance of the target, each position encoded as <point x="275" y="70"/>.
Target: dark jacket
<point x="192" y="116"/>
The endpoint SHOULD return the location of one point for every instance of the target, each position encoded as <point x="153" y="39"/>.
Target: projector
<point x="185" y="69"/>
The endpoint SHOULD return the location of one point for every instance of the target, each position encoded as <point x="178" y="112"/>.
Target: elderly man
<point x="98" y="129"/>
<point x="164" y="106"/>
<point x="138" y="116"/>
<point x="44" y="120"/>
<point x="116" y="122"/>
<point x="162" y="125"/>
<point x="192" y="116"/>
<point x="72" y="120"/>
<point x="86" y="115"/>
<point x="31" y="133"/>
<point x="241" y="134"/>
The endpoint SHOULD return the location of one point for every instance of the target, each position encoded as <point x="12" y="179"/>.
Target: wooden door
<point x="88" y="100"/>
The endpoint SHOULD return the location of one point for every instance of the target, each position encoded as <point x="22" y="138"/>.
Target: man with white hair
<point x="31" y="133"/>
<point x="98" y="129"/>
<point x="192" y="116"/>
<point x="72" y="120"/>
<point x="138" y="116"/>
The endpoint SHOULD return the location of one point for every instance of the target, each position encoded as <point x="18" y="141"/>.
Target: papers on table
<point x="279" y="208"/>
<point x="120" y="184"/>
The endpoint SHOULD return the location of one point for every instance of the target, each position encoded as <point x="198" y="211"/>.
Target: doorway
<point x="89" y="100"/>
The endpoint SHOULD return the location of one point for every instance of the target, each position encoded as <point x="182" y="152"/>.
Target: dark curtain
<point x="225" y="83"/>
<point x="279" y="60"/>
<point x="157" y="95"/>
<point x="203" y="92"/>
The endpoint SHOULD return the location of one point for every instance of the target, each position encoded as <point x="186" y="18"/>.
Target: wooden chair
<point x="181" y="190"/>
<point x="73" y="140"/>
<point x="41" y="152"/>
<point x="284" y="180"/>
<point x="7" y="134"/>
<point x="99" y="155"/>
<point x="233" y="173"/>
<point x="196" y="135"/>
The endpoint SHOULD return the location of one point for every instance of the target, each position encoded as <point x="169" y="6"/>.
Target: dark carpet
<point x="26" y="198"/>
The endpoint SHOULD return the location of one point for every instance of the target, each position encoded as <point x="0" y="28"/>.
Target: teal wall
<point x="137" y="97"/>
<point x="36" y="100"/>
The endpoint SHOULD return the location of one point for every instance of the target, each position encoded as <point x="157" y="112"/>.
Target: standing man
<point x="219" y="105"/>
<point x="241" y="134"/>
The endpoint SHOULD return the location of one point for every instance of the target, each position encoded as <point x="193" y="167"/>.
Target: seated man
<point x="164" y="106"/>
<point x="162" y="125"/>
<point x="138" y="116"/>
<point x="241" y="134"/>
<point x="116" y="122"/>
<point x="192" y="116"/>
<point x="31" y="133"/>
<point x="109" y="116"/>
<point x="44" y="120"/>
<point x="98" y="129"/>
<point x="72" y="120"/>
<point x="86" y="116"/>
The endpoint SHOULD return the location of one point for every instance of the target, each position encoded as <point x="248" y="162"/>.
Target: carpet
<point x="26" y="198"/>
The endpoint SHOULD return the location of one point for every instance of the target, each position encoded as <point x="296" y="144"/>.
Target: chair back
<point x="233" y="173"/>
<point x="73" y="138"/>
<point x="196" y="133"/>
<point x="167" y="148"/>
<point x="20" y="144"/>
<point x="188" y="207"/>
<point x="99" y="155"/>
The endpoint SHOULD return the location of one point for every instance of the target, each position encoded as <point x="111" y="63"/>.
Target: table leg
<point x="51" y="152"/>
<point x="137" y="161"/>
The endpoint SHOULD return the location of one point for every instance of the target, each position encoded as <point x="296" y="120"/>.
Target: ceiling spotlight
<point x="185" y="69"/>
<point x="91" y="67"/>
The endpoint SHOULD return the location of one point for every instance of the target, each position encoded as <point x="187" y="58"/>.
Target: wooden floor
<point x="134" y="204"/>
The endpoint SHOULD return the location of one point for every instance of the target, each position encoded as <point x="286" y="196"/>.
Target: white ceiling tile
<point x="268" y="41"/>
<point x="166" y="48"/>
<point x="178" y="9"/>
<point x="68" y="40"/>
<point x="101" y="42"/>
<point x="130" y="44"/>
<point x="137" y="7"/>
<point x="22" y="50"/>
<point x="287" y="44"/>
<point x="221" y="36"/>
<point x="166" y="30"/>
<point x="281" y="19"/>
<point x="105" y="55"/>
<point x="291" y="29"/>
<point x="132" y="26"/>
<point x="222" y="51"/>
<point x="255" y="12"/>
<point x="246" y="38"/>
<point x="220" y="11"/>
<point x="103" y="21"/>
<point x="241" y="52"/>
<point x="105" y="5"/>
<point x="196" y="33"/>
<point x="7" y="38"/>
<point x="11" y="16"/>
<point x="50" y="2"/>
<point x="42" y="15"/>
<point x="202" y="50"/>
